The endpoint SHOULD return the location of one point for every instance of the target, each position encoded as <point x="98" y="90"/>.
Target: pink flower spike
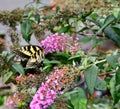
<point x="54" y="43"/>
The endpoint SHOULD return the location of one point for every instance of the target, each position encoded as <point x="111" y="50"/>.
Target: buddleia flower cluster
<point x="59" y="43"/>
<point x="55" y="84"/>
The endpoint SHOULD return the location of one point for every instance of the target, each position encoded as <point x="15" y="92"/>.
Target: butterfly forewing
<point x="25" y="50"/>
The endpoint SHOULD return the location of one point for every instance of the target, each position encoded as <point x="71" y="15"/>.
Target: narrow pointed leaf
<point x="6" y="76"/>
<point x="18" y="68"/>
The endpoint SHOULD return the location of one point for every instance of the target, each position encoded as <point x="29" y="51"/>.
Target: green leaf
<point x="63" y="29"/>
<point x="117" y="87"/>
<point x="77" y="98"/>
<point x="30" y="14"/>
<point x="1" y="100"/>
<point x="26" y="27"/>
<point x="86" y="39"/>
<point x="57" y="9"/>
<point x="72" y="20"/>
<point x="6" y="76"/>
<point x="37" y="18"/>
<point x="82" y="104"/>
<point x="117" y="77"/>
<point x="51" y="106"/>
<point x="113" y="60"/>
<point x="4" y="53"/>
<point x="47" y="67"/>
<point x="10" y="57"/>
<point x="28" y="100"/>
<point x="21" y="104"/>
<point x="32" y="90"/>
<point x="90" y="78"/>
<point x="61" y="54"/>
<point x="108" y="21"/>
<point x="112" y="34"/>
<point x="112" y="87"/>
<point x="116" y="12"/>
<point x="75" y="57"/>
<point x="83" y="29"/>
<point x="112" y="1"/>
<point x="100" y="84"/>
<point x="52" y="62"/>
<point x="18" y="68"/>
<point x="85" y="61"/>
<point x="70" y="106"/>
<point x="93" y="17"/>
<point x="116" y="28"/>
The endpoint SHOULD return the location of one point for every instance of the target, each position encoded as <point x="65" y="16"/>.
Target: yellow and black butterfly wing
<point x="32" y="52"/>
<point x="37" y="54"/>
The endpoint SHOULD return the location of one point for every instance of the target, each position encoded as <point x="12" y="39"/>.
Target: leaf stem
<point x="97" y="62"/>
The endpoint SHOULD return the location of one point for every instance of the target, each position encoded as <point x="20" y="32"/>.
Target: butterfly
<point x="33" y="53"/>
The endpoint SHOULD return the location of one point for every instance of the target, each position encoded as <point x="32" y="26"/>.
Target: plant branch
<point x="97" y="62"/>
<point x="78" y="84"/>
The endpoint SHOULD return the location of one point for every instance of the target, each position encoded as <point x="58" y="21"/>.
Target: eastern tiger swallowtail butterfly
<point x="32" y="52"/>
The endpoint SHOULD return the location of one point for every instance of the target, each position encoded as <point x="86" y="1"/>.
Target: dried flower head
<point x="29" y="81"/>
<point x="26" y="84"/>
<point x="21" y="78"/>
<point x="16" y="99"/>
<point x="62" y="78"/>
<point x="61" y="103"/>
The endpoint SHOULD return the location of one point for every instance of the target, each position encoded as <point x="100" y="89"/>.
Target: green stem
<point x="85" y="67"/>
